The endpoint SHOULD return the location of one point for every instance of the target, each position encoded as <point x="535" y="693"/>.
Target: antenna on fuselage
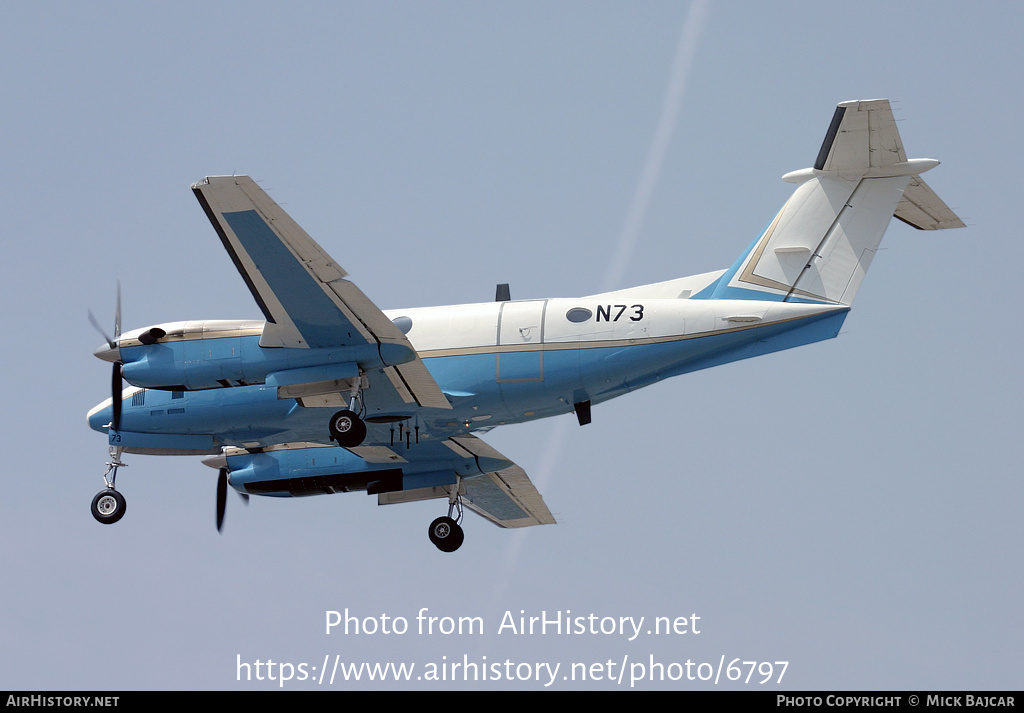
<point x="502" y="294"/>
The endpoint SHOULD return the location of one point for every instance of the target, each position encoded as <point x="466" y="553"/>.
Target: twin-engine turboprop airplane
<point x="329" y="394"/>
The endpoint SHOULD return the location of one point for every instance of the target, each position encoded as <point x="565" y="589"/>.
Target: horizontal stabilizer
<point x="924" y="210"/>
<point x="862" y="135"/>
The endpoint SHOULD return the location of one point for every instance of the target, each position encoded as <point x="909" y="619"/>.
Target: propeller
<point x="113" y="355"/>
<point x="222" y="496"/>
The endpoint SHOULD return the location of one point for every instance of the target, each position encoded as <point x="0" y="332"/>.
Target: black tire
<point x="108" y="506"/>
<point x="347" y="429"/>
<point x="446" y="534"/>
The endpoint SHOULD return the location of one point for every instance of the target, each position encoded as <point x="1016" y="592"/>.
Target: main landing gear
<point x="108" y="506"/>
<point x="445" y="532"/>
<point x="346" y="427"/>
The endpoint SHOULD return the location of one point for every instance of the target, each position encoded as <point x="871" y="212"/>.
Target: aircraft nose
<point x="108" y="353"/>
<point x="100" y="415"/>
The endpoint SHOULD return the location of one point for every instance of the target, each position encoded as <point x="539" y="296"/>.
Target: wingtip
<point x="235" y="177"/>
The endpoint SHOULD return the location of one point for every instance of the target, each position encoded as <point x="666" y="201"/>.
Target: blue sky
<point x="851" y="507"/>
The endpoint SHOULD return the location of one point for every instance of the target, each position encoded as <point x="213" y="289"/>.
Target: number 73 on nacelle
<point x="328" y="393"/>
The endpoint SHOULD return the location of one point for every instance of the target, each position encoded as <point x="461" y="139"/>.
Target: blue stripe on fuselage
<point x="714" y="290"/>
<point x="720" y="289"/>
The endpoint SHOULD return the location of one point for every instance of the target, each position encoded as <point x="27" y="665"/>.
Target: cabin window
<point x="578" y="314"/>
<point x="177" y="394"/>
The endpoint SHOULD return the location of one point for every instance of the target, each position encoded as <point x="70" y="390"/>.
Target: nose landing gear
<point x="109" y="505"/>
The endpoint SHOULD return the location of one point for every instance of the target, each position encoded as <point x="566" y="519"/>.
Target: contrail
<point x="682" y="62"/>
<point x="693" y="24"/>
<point x="673" y="102"/>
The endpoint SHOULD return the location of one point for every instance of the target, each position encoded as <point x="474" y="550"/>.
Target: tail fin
<point x="821" y="243"/>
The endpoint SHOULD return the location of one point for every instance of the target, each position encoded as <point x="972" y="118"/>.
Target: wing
<point x="503" y="495"/>
<point x="305" y="298"/>
<point x="490" y="485"/>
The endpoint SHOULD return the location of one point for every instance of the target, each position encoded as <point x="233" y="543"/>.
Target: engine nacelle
<point x="192" y="356"/>
<point x="320" y="471"/>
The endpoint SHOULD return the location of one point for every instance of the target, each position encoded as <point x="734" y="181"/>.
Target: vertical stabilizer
<point x="820" y="245"/>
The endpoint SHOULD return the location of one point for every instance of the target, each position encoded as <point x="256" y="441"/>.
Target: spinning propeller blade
<point x="222" y="496"/>
<point x="113" y="342"/>
<point x="110" y="342"/>
<point x="117" y="313"/>
<point x="115" y="393"/>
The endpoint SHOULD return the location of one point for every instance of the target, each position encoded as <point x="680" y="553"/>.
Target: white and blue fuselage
<point x="498" y="363"/>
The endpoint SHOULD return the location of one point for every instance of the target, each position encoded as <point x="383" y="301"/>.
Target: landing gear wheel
<point x="347" y="429"/>
<point x="108" y="506"/>
<point x="446" y="534"/>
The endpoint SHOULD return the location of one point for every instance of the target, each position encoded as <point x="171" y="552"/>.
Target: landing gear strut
<point x="445" y="532"/>
<point x="108" y="506"/>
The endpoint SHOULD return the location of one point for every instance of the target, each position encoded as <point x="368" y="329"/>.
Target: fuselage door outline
<point x="520" y="338"/>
